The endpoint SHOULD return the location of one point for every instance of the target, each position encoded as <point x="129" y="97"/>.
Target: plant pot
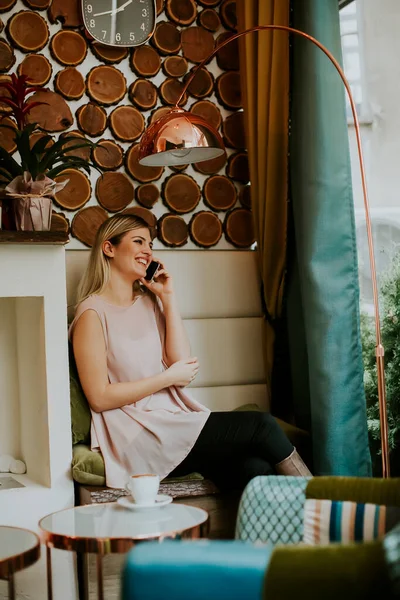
<point x="31" y="213"/>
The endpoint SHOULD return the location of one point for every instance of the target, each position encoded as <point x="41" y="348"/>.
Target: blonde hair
<point x="97" y="273"/>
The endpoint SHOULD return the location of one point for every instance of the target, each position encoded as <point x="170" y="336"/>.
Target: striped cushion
<point x="328" y="521"/>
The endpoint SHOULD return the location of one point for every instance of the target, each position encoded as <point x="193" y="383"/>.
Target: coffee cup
<point x="143" y="488"/>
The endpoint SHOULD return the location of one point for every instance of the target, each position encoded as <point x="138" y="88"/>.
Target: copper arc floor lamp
<point x="181" y="137"/>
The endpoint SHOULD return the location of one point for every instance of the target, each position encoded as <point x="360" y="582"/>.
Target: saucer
<point x="161" y="500"/>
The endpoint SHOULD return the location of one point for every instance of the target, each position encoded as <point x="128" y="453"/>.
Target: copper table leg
<point x="49" y="574"/>
<point x="11" y="587"/>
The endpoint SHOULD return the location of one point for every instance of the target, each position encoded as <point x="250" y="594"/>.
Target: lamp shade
<point x="179" y="138"/>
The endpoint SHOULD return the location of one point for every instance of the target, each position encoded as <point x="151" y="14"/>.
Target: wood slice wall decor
<point x="114" y="93"/>
<point x="37" y="68"/>
<point x="7" y="56"/>
<point x="76" y="140"/>
<point x="53" y="115"/>
<point x="7" y="136"/>
<point x="106" y="85"/>
<point x="70" y="83"/>
<point x="68" y="48"/>
<point x="4" y="108"/>
<point x="67" y="12"/>
<point x="173" y="231"/>
<point x="77" y="191"/>
<point x="209" y="19"/>
<point x="114" y="191"/>
<point x="27" y="31"/>
<point x="205" y="229"/>
<point x="108" y="155"/>
<point x="147" y="195"/>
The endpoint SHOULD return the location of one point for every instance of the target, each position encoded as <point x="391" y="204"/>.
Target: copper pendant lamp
<point x="180" y="138"/>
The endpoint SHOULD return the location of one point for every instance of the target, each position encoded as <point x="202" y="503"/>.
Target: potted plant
<point x="28" y="184"/>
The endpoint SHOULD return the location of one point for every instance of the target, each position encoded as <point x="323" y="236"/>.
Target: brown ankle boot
<point x="293" y="465"/>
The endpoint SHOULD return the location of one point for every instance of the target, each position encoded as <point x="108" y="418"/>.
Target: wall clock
<point x="119" y="22"/>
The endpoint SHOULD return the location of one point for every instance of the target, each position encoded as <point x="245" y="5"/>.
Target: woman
<point x="134" y="363"/>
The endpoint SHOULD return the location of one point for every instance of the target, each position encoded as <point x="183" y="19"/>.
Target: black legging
<point x="234" y="447"/>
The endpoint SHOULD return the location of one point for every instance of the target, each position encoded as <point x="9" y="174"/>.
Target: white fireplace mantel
<point x="35" y="424"/>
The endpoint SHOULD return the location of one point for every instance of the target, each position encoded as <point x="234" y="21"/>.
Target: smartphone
<point x="152" y="270"/>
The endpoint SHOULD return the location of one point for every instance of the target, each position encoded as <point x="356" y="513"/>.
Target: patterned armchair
<point x="268" y="560"/>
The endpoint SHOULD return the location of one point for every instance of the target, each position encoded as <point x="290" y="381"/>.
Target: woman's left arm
<point x="177" y="346"/>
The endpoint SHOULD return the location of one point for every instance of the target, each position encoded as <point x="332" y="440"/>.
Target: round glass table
<point x="19" y="548"/>
<point x="107" y="528"/>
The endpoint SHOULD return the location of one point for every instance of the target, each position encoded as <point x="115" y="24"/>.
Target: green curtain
<point x="323" y="291"/>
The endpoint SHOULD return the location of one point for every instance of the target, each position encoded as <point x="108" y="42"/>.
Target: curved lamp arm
<point x="379" y="347"/>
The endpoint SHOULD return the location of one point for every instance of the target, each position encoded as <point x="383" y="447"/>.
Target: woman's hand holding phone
<point x="161" y="282"/>
<point x="183" y="372"/>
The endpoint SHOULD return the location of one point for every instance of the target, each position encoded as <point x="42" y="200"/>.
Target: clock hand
<point x="114" y="12"/>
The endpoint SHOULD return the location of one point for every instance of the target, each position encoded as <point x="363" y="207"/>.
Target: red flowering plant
<point x="32" y="177"/>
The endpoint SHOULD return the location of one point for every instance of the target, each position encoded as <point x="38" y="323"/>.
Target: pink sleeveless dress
<point x="156" y="433"/>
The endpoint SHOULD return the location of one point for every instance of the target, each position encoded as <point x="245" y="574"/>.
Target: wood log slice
<point x="143" y="94"/>
<point x="209" y="3"/>
<point x="4" y="108"/>
<point x="7" y="137"/>
<point x="211" y="167"/>
<point x="140" y="172"/>
<point x="228" y="56"/>
<point x="245" y="196"/>
<point x="209" y="19"/>
<point x="37" y="68"/>
<point x="197" y="43"/>
<point x="175" y="66"/>
<point x="106" y="85"/>
<point x="227" y="12"/>
<point x="59" y="222"/>
<point x="228" y="90"/>
<point x="37" y="4"/>
<point x="172" y="231"/>
<point x="205" y="229"/>
<point x="108" y="155"/>
<point x="159" y="112"/>
<point x="109" y="54"/>
<point x="170" y="90"/>
<point x="147" y="195"/>
<point x="69" y="82"/>
<point x="67" y="12"/>
<point x="233" y="130"/>
<point x="6" y="5"/>
<point x="54" y="115"/>
<point x="126" y="123"/>
<point x="181" y="12"/>
<point x="114" y="191"/>
<point x="219" y="193"/>
<point x="7" y="57"/>
<point x="180" y="193"/>
<point x="76" y="139"/>
<point x="166" y="38"/>
<point x="159" y="6"/>
<point x="202" y="84"/>
<point x="27" y="31"/>
<point x="38" y="135"/>
<point x="86" y="223"/>
<point x="208" y="111"/>
<point x="68" y="47"/>
<point x="92" y="119"/>
<point x="238" y="167"/>
<point x="145" y="61"/>
<point x="239" y="228"/>
<point x="77" y="191"/>
<point x="178" y="168"/>
<point x="142" y="213"/>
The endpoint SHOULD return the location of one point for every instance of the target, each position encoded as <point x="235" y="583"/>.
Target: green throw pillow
<point x="80" y="411"/>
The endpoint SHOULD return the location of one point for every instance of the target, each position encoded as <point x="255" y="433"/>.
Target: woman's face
<point x="133" y="254"/>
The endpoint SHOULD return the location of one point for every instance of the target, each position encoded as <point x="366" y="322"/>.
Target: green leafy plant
<point x="390" y="325"/>
<point x="46" y="156"/>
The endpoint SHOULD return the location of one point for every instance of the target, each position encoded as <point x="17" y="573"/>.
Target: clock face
<point x="119" y="22"/>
